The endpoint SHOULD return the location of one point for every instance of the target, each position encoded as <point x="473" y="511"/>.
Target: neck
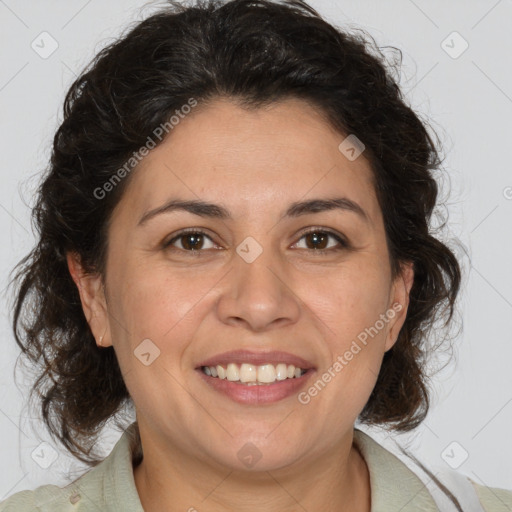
<point x="170" y="479"/>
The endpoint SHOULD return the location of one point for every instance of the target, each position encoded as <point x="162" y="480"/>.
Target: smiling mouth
<point x="254" y="375"/>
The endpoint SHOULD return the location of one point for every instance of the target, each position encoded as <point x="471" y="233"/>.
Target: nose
<point x="258" y="295"/>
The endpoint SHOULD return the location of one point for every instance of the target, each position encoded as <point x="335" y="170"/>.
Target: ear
<point x="399" y="302"/>
<point x="92" y="296"/>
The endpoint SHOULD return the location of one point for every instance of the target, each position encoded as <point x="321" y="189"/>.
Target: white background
<point x="469" y="102"/>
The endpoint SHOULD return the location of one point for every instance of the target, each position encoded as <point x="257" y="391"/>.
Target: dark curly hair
<point x="253" y="52"/>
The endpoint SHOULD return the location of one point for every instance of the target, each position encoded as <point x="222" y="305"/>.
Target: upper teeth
<point x="266" y="373"/>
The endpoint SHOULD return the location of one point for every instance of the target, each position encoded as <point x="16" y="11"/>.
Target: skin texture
<point x="291" y="298"/>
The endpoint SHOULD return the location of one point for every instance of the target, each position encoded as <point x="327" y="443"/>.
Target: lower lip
<point x="257" y="395"/>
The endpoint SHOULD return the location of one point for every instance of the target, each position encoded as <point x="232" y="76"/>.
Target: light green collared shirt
<point x="110" y="486"/>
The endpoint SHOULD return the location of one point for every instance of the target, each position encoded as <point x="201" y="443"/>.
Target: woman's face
<point x="256" y="281"/>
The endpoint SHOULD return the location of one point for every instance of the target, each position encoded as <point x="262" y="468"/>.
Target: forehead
<point x="251" y="160"/>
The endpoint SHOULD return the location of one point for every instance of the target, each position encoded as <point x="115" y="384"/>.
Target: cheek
<point x="153" y="303"/>
<point x="152" y="321"/>
<point x="350" y="308"/>
<point x="350" y="300"/>
<point x="151" y="300"/>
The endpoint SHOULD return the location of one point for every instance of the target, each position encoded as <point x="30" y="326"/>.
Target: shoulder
<point x="108" y="486"/>
<point x="493" y="499"/>
<point x="398" y="478"/>
<point x="46" y="498"/>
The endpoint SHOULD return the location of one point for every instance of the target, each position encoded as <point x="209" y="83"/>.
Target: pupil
<point x="316" y="238"/>
<point x="195" y="241"/>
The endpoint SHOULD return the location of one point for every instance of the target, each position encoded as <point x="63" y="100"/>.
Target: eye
<point x="317" y="240"/>
<point x="192" y="240"/>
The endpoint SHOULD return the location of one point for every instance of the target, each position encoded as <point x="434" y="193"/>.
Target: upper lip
<point x="257" y="358"/>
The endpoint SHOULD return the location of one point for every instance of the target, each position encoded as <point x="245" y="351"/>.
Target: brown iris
<point x="194" y="241"/>
<point x="317" y="237"/>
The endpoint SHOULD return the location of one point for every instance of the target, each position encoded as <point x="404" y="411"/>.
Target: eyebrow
<point x="211" y="210"/>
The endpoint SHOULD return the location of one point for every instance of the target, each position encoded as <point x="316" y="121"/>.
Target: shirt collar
<point x="393" y="485"/>
<point x="111" y="485"/>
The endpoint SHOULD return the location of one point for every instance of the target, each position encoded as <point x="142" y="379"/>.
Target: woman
<point x="234" y="240"/>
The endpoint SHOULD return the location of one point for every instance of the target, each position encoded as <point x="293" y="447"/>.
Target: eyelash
<point x="197" y="253"/>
